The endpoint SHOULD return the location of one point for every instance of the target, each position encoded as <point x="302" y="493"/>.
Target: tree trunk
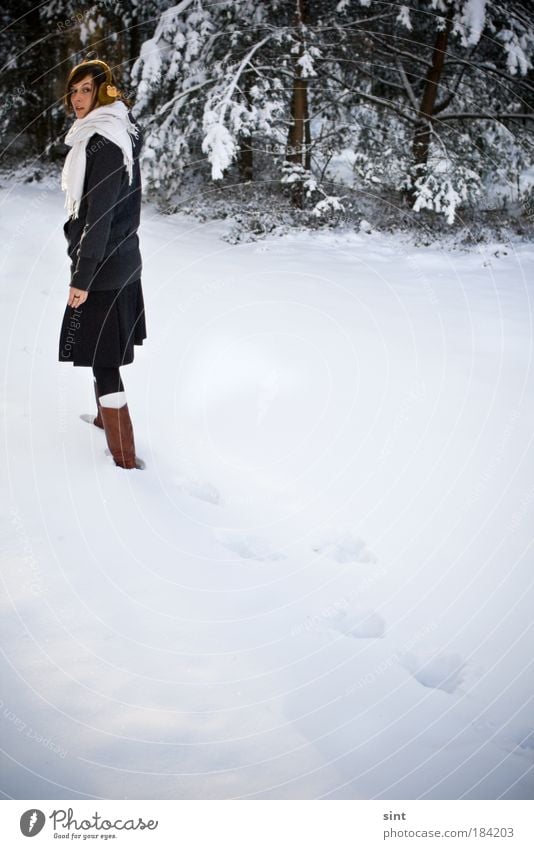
<point x="298" y="137"/>
<point x="246" y="159"/>
<point x="246" y="154"/>
<point x="422" y="135"/>
<point x="298" y="140"/>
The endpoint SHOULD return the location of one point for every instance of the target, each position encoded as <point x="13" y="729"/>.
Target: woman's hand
<point x="77" y="297"/>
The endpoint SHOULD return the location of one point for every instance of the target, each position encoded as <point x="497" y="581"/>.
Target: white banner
<point x="268" y="824"/>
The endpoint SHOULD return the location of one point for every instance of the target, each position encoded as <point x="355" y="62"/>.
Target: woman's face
<point x="81" y="96"/>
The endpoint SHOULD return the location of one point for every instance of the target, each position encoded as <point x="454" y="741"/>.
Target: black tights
<point x="108" y="380"/>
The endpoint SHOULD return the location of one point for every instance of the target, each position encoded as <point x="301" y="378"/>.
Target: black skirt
<point x="104" y="330"/>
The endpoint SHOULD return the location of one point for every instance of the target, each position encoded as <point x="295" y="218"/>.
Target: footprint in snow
<point x="525" y="740"/>
<point x="199" y="489"/>
<point x="360" y="623"/>
<point x="519" y="740"/>
<point x="249" y="547"/>
<point x="343" y="548"/>
<point x="355" y="621"/>
<point x="444" y="671"/>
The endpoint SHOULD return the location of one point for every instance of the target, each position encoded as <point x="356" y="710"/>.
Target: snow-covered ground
<point x="321" y="585"/>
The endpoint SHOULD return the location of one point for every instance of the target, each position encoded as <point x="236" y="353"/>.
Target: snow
<point x="474" y="19"/>
<point x="306" y="62"/>
<point x="151" y="63"/>
<point x="321" y="585"/>
<point x="218" y="145"/>
<point x="404" y="17"/>
<point x="515" y="47"/>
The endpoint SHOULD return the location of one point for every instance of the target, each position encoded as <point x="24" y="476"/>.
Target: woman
<point x="104" y="317"/>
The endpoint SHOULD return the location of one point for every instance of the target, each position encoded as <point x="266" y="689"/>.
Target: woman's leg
<point x="107" y="380"/>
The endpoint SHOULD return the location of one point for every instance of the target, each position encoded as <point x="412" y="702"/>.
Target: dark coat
<point x="102" y="242"/>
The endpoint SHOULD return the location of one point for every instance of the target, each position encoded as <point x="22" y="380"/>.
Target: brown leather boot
<point x="119" y="431"/>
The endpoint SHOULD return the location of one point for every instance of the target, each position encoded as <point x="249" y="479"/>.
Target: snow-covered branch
<point x="218" y="142"/>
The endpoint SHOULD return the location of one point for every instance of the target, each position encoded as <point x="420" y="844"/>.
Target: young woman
<point x="104" y="317"/>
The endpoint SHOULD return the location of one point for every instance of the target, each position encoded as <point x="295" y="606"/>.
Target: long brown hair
<point x="99" y="77"/>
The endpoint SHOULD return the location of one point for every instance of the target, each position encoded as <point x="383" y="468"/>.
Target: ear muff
<point x="107" y="92"/>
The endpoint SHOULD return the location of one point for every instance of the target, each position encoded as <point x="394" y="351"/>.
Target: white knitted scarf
<point x="111" y="121"/>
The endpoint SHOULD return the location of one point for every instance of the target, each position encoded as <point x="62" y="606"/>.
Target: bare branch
<point x="388" y="48"/>
<point x="457" y="116"/>
<point x="166" y="106"/>
<point x="379" y="100"/>
<point x="480" y="67"/>
<point x="439" y="107"/>
<point x="407" y="86"/>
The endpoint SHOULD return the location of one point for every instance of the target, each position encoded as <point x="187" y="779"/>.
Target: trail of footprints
<point x="443" y="671"/>
<point x="352" y="620"/>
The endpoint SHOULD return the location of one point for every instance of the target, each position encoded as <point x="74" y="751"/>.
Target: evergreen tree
<point x="453" y="80"/>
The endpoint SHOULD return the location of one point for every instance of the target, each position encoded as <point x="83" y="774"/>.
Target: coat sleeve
<point x="105" y="170"/>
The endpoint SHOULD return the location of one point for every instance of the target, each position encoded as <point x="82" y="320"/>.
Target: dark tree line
<point x="432" y="101"/>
